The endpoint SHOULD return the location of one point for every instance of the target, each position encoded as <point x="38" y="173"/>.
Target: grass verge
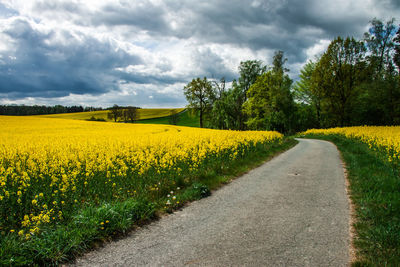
<point x="375" y="192"/>
<point x="94" y="224"/>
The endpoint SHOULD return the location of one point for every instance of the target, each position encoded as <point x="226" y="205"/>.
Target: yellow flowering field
<point x="49" y="168"/>
<point x="384" y="138"/>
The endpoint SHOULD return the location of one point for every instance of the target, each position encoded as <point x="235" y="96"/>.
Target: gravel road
<point x="291" y="211"/>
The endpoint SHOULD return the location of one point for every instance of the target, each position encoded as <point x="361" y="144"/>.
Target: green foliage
<point x="270" y="104"/>
<point x="303" y="89"/>
<point x="174" y="119"/>
<point x="374" y="184"/>
<point x="249" y="71"/>
<point x="93" y="118"/>
<point x="337" y="76"/>
<point x="186" y="118"/>
<point x="200" y="95"/>
<point x="354" y="82"/>
<point x="196" y="191"/>
<point x="227" y="112"/>
<point x="90" y="225"/>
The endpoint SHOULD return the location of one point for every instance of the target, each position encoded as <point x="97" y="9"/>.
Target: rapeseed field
<point x="383" y="138"/>
<point x="51" y="168"/>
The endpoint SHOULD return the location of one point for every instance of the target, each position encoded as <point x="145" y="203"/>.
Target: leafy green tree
<point x="307" y="93"/>
<point x="248" y="73"/>
<point x="270" y="103"/>
<point x="200" y="95"/>
<point x="337" y="76"/>
<point x="303" y="89"/>
<point x="379" y="99"/>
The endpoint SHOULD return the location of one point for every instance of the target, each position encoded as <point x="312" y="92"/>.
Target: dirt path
<point x="291" y="211"/>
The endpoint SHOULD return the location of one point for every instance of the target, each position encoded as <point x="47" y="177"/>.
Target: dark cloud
<point x="42" y="66"/>
<point x="268" y="24"/>
<point x="144" y="16"/>
<point x="45" y="60"/>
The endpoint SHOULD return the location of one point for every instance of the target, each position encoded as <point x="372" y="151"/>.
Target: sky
<point x="142" y="53"/>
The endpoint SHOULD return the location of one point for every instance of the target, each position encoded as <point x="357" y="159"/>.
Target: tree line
<point x="354" y="82"/>
<point x="20" y="110"/>
<point x="125" y="114"/>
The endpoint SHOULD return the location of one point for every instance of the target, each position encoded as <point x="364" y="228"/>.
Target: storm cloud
<point x="144" y="52"/>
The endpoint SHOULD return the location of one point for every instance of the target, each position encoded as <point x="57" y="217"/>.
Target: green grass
<point x="375" y="191"/>
<point x="186" y="118"/>
<point x="95" y="223"/>
<point x="144" y="113"/>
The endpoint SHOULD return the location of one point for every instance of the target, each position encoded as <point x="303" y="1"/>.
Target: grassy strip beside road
<point x="94" y="224"/>
<point x="374" y="185"/>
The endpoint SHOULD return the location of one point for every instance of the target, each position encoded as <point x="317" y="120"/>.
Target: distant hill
<point x="144" y="114"/>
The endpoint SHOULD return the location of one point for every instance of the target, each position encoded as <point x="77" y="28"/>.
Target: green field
<point x="185" y="119"/>
<point x="144" y="114"/>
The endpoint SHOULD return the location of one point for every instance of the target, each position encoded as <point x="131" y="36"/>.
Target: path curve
<point x="291" y="211"/>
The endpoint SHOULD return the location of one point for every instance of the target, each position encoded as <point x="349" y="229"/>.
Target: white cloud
<point x="317" y="49"/>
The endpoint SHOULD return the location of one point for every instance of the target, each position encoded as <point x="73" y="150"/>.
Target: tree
<point x="200" y="95"/>
<point x="307" y="93"/>
<point x="227" y="110"/>
<point x="380" y="44"/>
<point x="130" y="113"/>
<point x="396" y="56"/>
<point x="337" y="75"/>
<point x="270" y="103"/>
<point x="114" y="113"/>
<point x="249" y="71"/>
<point x="303" y="88"/>
<point x="380" y="92"/>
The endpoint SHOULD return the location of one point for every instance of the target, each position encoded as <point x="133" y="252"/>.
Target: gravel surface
<point x="291" y="211"/>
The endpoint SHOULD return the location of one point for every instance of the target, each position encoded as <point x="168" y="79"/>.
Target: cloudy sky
<point x="99" y="52"/>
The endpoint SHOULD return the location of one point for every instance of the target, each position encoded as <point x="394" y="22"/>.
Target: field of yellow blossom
<point x="50" y="168"/>
<point x="383" y="138"/>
